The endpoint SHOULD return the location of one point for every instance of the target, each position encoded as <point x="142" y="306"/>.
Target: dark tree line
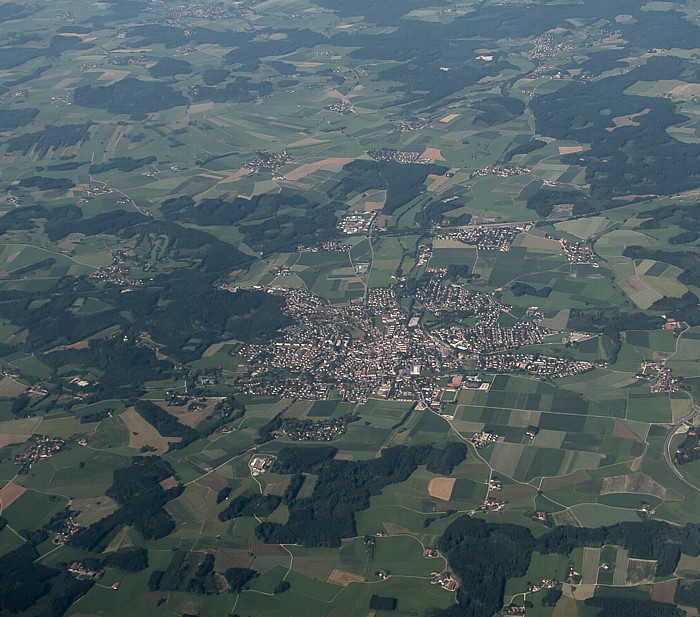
<point x="485" y="555"/>
<point x="344" y="488"/>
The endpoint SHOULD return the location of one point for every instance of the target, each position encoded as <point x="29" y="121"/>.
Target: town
<point x="377" y="349"/>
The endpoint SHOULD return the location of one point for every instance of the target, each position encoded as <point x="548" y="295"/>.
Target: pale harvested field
<point x="343" y="456"/>
<point x="334" y="94"/>
<point x="448" y="243"/>
<point x="168" y="483"/>
<point x="332" y="164"/>
<point x="189" y="418"/>
<point x="7" y="440"/>
<point x="235" y="176"/>
<point x="570" y="149"/>
<point x="212" y="350"/>
<point x="536" y="242"/>
<point x="637" y="483"/>
<point x="664" y="592"/>
<point x="591" y="562"/>
<point x="583" y="592"/>
<point x="441" y="488"/>
<point x="622" y="430"/>
<point x="11" y="387"/>
<point x="628" y="120"/>
<point x="564" y="517"/>
<point x="117" y="134"/>
<point x="92" y="509"/>
<point x="449" y="118"/>
<point x="566" y="607"/>
<point x="686" y="90"/>
<point x="12" y="257"/>
<point x="17" y="431"/>
<point x="141" y="433"/>
<point x="559" y="321"/>
<point x="200" y="107"/>
<point x="107" y="76"/>
<point x="680" y="408"/>
<point x="342" y="578"/>
<point x="635" y="283"/>
<point x="371" y="206"/>
<point x="143" y="50"/>
<point x="309" y="141"/>
<point x="10" y="493"/>
<point x="433" y="154"/>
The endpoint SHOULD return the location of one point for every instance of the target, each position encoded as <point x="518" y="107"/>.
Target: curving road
<point x="695" y="410"/>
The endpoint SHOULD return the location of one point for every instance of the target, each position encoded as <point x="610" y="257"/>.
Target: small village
<point x="355" y="223"/>
<point x="502" y="171"/>
<point x="487" y="238"/>
<point x="389" y="154"/>
<point x="268" y="161"/>
<point x="341" y="107"/>
<point x="310" y="430"/>
<point x="43" y="447"/>
<point x="579" y="253"/>
<point x="408" y="126"/>
<point x="445" y="579"/>
<point x="660" y="377"/>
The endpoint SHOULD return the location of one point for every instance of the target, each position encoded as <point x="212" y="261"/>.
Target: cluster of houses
<point x="486" y="237"/>
<point x="79" y="569"/>
<point x="492" y="506"/>
<point x="36" y="392"/>
<point x="43" y="447"/>
<point x="533" y="364"/>
<point x="578" y="252"/>
<point x="265" y="160"/>
<point x="313" y="430"/>
<point x="495" y="484"/>
<point x="483" y="438"/>
<point x="425" y="252"/>
<point x="547" y="583"/>
<point x="330" y="245"/>
<point x="260" y="463"/>
<point x="70" y="528"/>
<point x="503" y="171"/>
<point x="440" y="298"/>
<point x="358" y="223"/>
<point x="397" y="156"/>
<point x="484" y="338"/>
<point x="341" y="107"/>
<point x="661" y="377"/>
<point x="322" y="352"/>
<point x="445" y="579"/>
<point x="116" y="274"/>
<point x="408" y="126"/>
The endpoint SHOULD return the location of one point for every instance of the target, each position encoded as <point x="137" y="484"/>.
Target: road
<point x="695" y="410"/>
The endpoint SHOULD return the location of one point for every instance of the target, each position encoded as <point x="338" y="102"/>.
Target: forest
<point x="345" y="487"/>
<point x="134" y="97"/>
<point x="141" y="498"/>
<point x="484" y="555"/>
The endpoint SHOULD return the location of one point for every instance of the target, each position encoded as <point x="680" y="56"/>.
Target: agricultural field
<point x="299" y="300"/>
